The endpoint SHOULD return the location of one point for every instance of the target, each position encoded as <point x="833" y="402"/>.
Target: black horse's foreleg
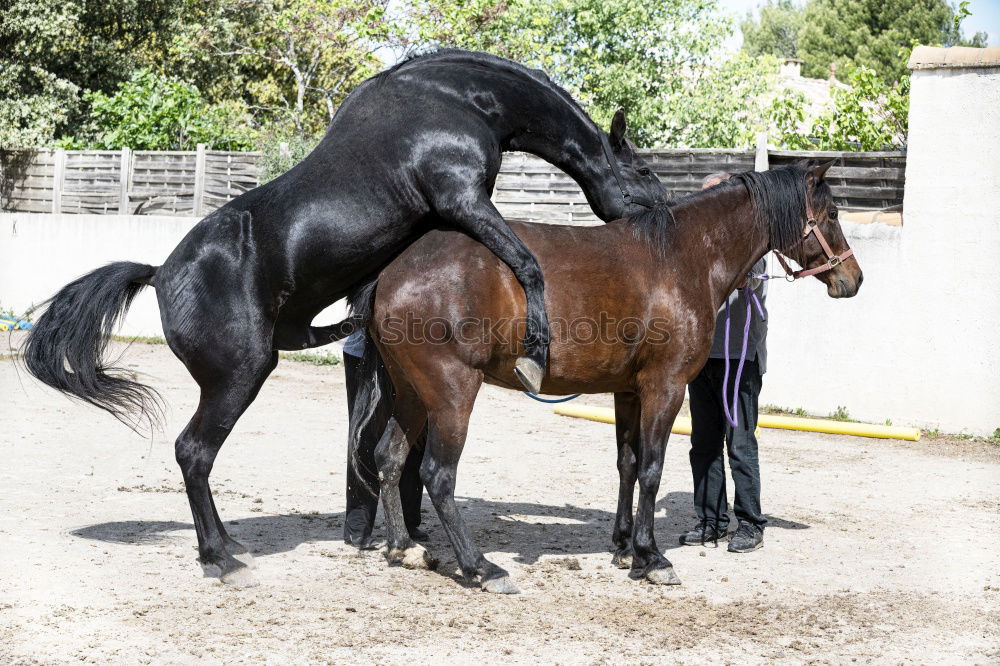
<point x="222" y="403"/>
<point x="483" y="221"/>
<point x="659" y="408"/>
<point x="391" y="454"/>
<point x="627" y="433"/>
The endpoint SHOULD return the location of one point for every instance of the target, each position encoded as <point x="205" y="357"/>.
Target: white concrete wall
<point x="41" y="253"/>
<point x="920" y="344"/>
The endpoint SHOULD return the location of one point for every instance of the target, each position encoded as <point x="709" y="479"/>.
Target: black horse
<point x="414" y="147"/>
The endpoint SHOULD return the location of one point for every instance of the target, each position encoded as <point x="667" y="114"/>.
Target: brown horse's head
<point x="821" y="248"/>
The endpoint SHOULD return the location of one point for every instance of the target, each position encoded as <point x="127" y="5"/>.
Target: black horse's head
<point x="631" y="186"/>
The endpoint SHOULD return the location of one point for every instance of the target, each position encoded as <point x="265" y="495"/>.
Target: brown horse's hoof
<point x="529" y="373"/>
<point x="414" y="557"/>
<point x="663" y="577"/>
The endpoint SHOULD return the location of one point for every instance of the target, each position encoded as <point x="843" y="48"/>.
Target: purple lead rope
<point x="732" y="416"/>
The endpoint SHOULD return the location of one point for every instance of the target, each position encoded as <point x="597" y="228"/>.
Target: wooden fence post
<point x="58" y="175"/>
<point x="126" y="171"/>
<point x="760" y="159"/>
<point x="283" y="151"/>
<point x="199" y="179"/>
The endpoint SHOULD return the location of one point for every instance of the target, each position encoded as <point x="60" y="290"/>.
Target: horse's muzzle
<point x="845" y="287"/>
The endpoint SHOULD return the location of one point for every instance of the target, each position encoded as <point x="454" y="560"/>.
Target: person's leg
<point x="744" y="463"/>
<point x="411" y="489"/>
<point x="362" y="475"/>
<point x="706" y="455"/>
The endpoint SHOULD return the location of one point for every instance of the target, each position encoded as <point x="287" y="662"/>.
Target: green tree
<point x="152" y="112"/>
<point x="775" y="32"/>
<point x="726" y="106"/>
<point x="871" y="33"/>
<point x="34" y="105"/>
<point x="52" y="50"/>
<point x="607" y="53"/>
<point x="870" y="115"/>
<point x="295" y="60"/>
<point x="515" y="29"/>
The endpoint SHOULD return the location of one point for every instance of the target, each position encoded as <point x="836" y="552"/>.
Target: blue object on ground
<point x="15" y="324"/>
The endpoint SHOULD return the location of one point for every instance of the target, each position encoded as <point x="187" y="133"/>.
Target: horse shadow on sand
<point x="525" y="529"/>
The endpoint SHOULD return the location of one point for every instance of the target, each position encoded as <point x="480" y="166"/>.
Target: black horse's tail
<point x="374" y="387"/>
<point x="65" y="349"/>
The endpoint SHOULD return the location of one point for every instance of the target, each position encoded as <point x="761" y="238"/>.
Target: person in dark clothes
<point x="362" y="479"/>
<point x="710" y="429"/>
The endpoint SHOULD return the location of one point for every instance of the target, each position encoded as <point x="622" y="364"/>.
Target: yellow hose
<point x="682" y="425"/>
<point x="839" y="427"/>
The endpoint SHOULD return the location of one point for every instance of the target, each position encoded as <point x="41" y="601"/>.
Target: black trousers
<point x="709" y="429"/>
<point x="361" y="503"/>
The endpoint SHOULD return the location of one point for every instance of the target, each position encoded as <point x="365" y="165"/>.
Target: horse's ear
<point x="618" y="129"/>
<point x="818" y="172"/>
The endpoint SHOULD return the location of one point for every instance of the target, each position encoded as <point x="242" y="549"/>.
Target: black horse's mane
<point x="479" y="58"/>
<point x="777" y="196"/>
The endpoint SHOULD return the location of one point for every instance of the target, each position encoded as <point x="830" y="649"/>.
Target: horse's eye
<point x="833" y="214"/>
<point x="643" y="171"/>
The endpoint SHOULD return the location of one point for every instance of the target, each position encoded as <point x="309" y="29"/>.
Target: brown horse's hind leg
<point x="390" y="456"/>
<point x="627" y="432"/>
<point x="449" y="405"/>
<point x="659" y="407"/>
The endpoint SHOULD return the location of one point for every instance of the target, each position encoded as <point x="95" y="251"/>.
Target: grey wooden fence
<point x="197" y="182"/>
<point x="124" y="181"/>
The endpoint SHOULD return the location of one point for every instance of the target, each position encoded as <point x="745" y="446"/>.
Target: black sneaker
<point x="704" y="532"/>
<point x="358" y="528"/>
<point x="418" y="534"/>
<point x="746" y="539"/>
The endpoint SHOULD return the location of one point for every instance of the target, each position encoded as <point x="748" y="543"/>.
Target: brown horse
<point x="634" y="304"/>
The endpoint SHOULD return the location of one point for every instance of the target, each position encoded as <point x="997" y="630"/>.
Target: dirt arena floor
<point x="876" y="552"/>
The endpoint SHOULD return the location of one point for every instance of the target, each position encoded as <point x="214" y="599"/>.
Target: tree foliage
<point x="608" y="53"/>
<point x="34" y="105"/>
<point x="293" y="60"/>
<point x="161" y="113"/>
<point x="53" y="50"/>
<point x="870" y="115"/>
<point x="854" y="33"/>
<point x="775" y="32"/>
<point x="727" y="105"/>
<point x="172" y="73"/>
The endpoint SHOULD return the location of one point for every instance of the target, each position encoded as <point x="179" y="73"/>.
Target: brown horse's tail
<point x="375" y="385"/>
<point x="66" y="347"/>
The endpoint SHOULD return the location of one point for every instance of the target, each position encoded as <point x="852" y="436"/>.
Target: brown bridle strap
<point x="832" y="260"/>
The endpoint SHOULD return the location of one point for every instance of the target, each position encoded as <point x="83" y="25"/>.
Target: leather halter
<point x="627" y="196"/>
<point x="832" y="260"/>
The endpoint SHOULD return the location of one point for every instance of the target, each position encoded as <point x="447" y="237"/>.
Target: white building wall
<point x="920" y="344"/>
<point x="40" y="253"/>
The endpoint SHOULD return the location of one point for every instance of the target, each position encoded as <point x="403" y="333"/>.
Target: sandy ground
<point x="876" y="551"/>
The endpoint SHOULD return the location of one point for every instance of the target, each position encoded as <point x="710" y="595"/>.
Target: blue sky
<point x="985" y="16"/>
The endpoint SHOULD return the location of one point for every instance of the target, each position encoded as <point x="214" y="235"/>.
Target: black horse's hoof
<point x="663" y="577"/>
<point x="501" y="585"/>
<point x="529" y="373"/>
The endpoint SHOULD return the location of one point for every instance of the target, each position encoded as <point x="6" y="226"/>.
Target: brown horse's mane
<point x="777" y="196"/>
